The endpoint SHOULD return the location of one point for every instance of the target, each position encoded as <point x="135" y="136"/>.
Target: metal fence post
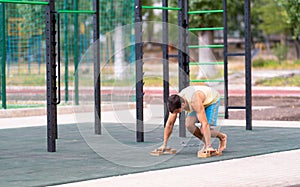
<point x="3" y="55"/>
<point x="247" y="18"/>
<point x="139" y="71"/>
<point x="183" y="58"/>
<point x="165" y="44"/>
<point x="51" y="76"/>
<point x="97" y="75"/>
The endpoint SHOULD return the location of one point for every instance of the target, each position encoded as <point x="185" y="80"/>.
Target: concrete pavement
<point x="276" y="169"/>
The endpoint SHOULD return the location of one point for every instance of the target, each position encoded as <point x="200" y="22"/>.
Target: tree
<point x="272" y="18"/>
<point x="235" y="18"/>
<point x="292" y="9"/>
<point x="279" y="17"/>
<point x="149" y="15"/>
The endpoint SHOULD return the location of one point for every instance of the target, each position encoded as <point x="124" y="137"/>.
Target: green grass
<point x="15" y="106"/>
<point x="20" y="77"/>
<point x="274" y="64"/>
<point x="280" y="81"/>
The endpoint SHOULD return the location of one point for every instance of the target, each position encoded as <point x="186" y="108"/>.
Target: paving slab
<point x="275" y="169"/>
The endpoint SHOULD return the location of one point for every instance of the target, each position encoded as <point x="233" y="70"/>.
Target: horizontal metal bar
<point x="205" y="11"/>
<point x="76" y="11"/>
<point x="235" y="54"/>
<point x="206" y="80"/>
<point x="161" y="7"/>
<point x="205" y="63"/>
<point x="236" y="107"/>
<point x="206" y="29"/>
<point x="25" y="2"/>
<point x="173" y="56"/>
<point x="205" y="46"/>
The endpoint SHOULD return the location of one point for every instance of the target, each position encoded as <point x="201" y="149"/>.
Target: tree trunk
<point x="297" y="46"/>
<point x="206" y="55"/>
<point x="119" y="53"/>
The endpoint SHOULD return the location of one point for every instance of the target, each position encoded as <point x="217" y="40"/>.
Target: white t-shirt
<point x="211" y="95"/>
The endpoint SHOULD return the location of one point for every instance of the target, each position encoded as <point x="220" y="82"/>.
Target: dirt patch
<point x="268" y="108"/>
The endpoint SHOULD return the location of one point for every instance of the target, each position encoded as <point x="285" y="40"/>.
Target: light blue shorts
<point x="211" y="113"/>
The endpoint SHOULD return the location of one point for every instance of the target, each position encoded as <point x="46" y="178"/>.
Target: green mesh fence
<point x="25" y="45"/>
<point x="24" y="41"/>
<point x="25" y="28"/>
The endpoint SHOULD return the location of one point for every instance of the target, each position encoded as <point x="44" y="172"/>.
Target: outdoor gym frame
<point x="53" y="86"/>
<point x="52" y="99"/>
<point x="183" y="62"/>
<point x="183" y="59"/>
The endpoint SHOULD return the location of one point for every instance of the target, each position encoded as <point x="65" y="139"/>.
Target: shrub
<point x="280" y="51"/>
<point x="297" y="62"/>
<point x="261" y="63"/>
<point x="258" y="63"/>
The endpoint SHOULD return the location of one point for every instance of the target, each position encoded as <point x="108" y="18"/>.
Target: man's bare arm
<point x="197" y="105"/>
<point x="169" y="127"/>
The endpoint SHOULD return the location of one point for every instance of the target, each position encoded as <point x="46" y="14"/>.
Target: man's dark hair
<point x="174" y="102"/>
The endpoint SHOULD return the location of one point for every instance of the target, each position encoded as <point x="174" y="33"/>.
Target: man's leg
<point x="212" y="117"/>
<point x="192" y="128"/>
<point x="222" y="137"/>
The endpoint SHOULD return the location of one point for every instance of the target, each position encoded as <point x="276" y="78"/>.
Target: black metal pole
<point x="139" y="71"/>
<point x="97" y="77"/>
<point x="183" y="59"/>
<point x="225" y="58"/>
<point x="51" y="76"/>
<point x="76" y="54"/>
<point x="247" y="18"/>
<point x="3" y="56"/>
<point x="165" y="39"/>
<point x="185" y="44"/>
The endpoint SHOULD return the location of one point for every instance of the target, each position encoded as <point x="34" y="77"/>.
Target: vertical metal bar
<point x="247" y="19"/>
<point x="139" y="71"/>
<point x="58" y="59"/>
<point x="66" y="54"/>
<point x="51" y="76"/>
<point x="183" y="59"/>
<point x="165" y="39"/>
<point x="132" y="51"/>
<point x="225" y="58"/>
<point x="97" y="77"/>
<point x="76" y="56"/>
<point x="3" y="54"/>
<point x="185" y="44"/>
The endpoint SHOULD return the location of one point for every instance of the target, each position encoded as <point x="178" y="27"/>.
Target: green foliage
<point x="292" y="10"/>
<point x="201" y="20"/>
<point x="33" y="18"/>
<point x="272" y="16"/>
<point x="262" y="63"/>
<point x="235" y="18"/>
<point x="280" y="51"/>
<point x="115" y="13"/>
<point x="258" y="63"/>
<point x="280" y="81"/>
<point x="205" y="20"/>
<point x="274" y="64"/>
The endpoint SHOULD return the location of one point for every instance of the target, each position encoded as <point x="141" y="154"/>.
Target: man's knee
<point x="190" y="125"/>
